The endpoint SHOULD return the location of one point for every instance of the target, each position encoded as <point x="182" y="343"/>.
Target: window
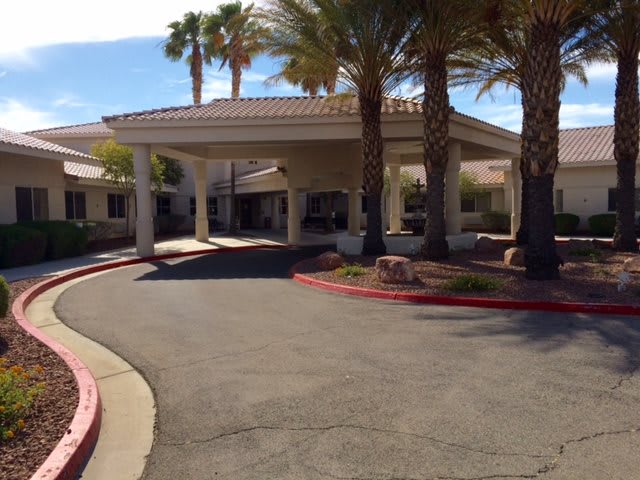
<point x="559" y="201"/>
<point x="480" y="202"/>
<point x="363" y="208"/>
<point x="32" y="204"/>
<point x="115" y="205"/>
<point x="163" y="205"/>
<point x="315" y="206"/>
<point x="284" y="206"/>
<point x="613" y="200"/>
<point x="75" y="205"/>
<point x="212" y="206"/>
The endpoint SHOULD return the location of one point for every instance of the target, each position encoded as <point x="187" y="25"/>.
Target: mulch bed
<point x="583" y="279"/>
<point x="54" y="408"/>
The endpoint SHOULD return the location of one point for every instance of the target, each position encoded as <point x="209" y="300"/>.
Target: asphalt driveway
<point x="257" y="377"/>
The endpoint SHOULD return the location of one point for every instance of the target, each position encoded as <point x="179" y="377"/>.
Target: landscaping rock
<point x="393" y="269"/>
<point x="487" y="245"/>
<point x="632" y="265"/>
<point x="329" y="261"/>
<point x="514" y="257"/>
<point x="573" y="245"/>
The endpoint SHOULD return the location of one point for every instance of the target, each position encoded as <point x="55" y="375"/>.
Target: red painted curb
<point x="565" y="307"/>
<point x="74" y="449"/>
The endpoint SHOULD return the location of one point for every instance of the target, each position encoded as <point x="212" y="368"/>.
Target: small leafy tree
<point x="172" y="171"/>
<point x="407" y="184"/>
<point x="468" y="185"/>
<point x="117" y="162"/>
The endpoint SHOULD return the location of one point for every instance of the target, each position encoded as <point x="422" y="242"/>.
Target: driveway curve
<point x="258" y="377"/>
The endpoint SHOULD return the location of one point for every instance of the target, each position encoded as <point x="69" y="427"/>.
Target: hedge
<point x="20" y="245"/>
<point x="4" y="297"/>
<point x="496" y="221"/>
<point x="603" y="224"/>
<point x="566" y="223"/>
<point x="64" y="239"/>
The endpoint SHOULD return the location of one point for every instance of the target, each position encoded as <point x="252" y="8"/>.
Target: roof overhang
<point x="44" y="154"/>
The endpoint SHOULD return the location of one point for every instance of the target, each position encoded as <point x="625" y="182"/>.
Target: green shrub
<point x="353" y="270"/>
<point x="496" y="221"/>
<point x="64" y="239"/>
<point x="18" y="390"/>
<point x="472" y="283"/>
<point x="566" y="223"/>
<point x="21" y="246"/>
<point x="98" y="230"/>
<point x="4" y="297"/>
<point x="603" y="225"/>
<point x="170" y="223"/>
<point x="594" y="254"/>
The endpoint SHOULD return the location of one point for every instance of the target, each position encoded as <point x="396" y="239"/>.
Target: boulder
<point x="573" y="245"/>
<point x="329" y="261"/>
<point x="487" y="245"/>
<point x="393" y="269"/>
<point x="632" y="265"/>
<point x="514" y="257"/>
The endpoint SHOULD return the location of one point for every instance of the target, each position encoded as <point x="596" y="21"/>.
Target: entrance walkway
<point x="258" y="377"/>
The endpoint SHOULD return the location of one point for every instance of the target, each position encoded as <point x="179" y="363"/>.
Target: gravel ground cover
<point x="584" y="279"/>
<point x="52" y="411"/>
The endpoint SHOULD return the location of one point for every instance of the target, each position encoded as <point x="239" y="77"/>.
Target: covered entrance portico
<point x="312" y="144"/>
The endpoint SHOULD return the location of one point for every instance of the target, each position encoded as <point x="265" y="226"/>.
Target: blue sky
<point x="78" y="67"/>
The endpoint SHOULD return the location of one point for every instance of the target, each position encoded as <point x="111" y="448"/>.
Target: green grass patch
<point x="351" y="270"/>
<point x="594" y="254"/>
<point x="472" y="283"/>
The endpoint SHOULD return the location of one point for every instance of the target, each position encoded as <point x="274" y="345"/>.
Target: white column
<point x="516" y="195"/>
<point x="452" y="190"/>
<point x="293" y="220"/>
<point x="394" y="200"/>
<point x="202" y="221"/>
<point x="144" y="220"/>
<point x="353" y="222"/>
<point x="275" y="212"/>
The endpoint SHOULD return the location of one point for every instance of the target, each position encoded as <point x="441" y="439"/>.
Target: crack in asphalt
<point x="354" y="427"/>
<point x="626" y="378"/>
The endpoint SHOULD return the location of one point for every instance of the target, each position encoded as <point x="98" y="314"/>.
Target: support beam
<point x="202" y="220"/>
<point x="144" y="221"/>
<point x="516" y="195"/>
<point x="452" y="190"/>
<point x="354" y="213"/>
<point x="293" y="220"/>
<point x="394" y="217"/>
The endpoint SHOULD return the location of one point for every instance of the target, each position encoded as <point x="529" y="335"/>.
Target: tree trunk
<point x="233" y="223"/>
<point x="541" y="94"/>
<point x="435" y="113"/>
<point x="236" y="76"/>
<point x="522" y="235"/>
<point x="196" y="73"/>
<point x="328" y="215"/>
<point x="372" y="173"/>
<point x="625" y="150"/>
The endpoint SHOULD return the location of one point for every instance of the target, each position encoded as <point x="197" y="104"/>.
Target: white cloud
<point x="79" y="21"/>
<point x="19" y="117"/>
<point x="602" y="71"/>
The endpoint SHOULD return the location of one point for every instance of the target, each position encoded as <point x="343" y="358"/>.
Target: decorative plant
<point x="18" y="390"/>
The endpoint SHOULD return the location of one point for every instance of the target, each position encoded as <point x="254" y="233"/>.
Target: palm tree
<point x="370" y="36"/>
<point x="310" y="76"/>
<point x="190" y="35"/>
<point x="618" y="28"/>
<point x="446" y="29"/>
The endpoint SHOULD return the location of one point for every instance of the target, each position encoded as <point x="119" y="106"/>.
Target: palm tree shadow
<point x="4" y="346"/>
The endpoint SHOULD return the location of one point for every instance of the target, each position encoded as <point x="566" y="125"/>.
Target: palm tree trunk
<point x="236" y="76"/>
<point x="541" y="93"/>
<point x="522" y="235"/>
<point x="435" y="114"/>
<point x="196" y="73"/>
<point x="233" y="224"/>
<point x="625" y="141"/>
<point x="373" y="174"/>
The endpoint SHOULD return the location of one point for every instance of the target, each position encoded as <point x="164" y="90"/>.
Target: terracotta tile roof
<point x="251" y="174"/>
<point x="589" y="144"/>
<point x="81" y="170"/>
<point x="81" y="130"/>
<point x="278" y="108"/>
<point x="27" y="142"/>
<point x="480" y="169"/>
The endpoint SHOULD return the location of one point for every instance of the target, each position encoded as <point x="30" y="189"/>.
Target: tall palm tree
<point x="446" y="29"/>
<point x="193" y="37"/>
<point x="370" y="36"/>
<point x="617" y="25"/>
<point x="307" y="74"/>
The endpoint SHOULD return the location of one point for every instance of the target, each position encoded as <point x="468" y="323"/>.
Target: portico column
<point x="275" y="213"/>
<point x="202" y="221"/>
<point x="293" y="220"/>
<point x="394" y="218"/>
<point x="354" y="213"/>
<point x="452" y="190"/>
<point x="144" y="220"/>
<point x="516" y="195"/>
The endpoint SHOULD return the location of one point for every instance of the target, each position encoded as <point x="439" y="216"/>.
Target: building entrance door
<point x="246" y="214"/>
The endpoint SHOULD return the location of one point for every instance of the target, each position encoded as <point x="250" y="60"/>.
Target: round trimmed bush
<point x="64" y="239"/>
<point x="496" y="221"/>
<point x="20" y="245"/>
<point x="566" y="223"/>
<point x="603" y="224"/>
<point x="4" y="297"/>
